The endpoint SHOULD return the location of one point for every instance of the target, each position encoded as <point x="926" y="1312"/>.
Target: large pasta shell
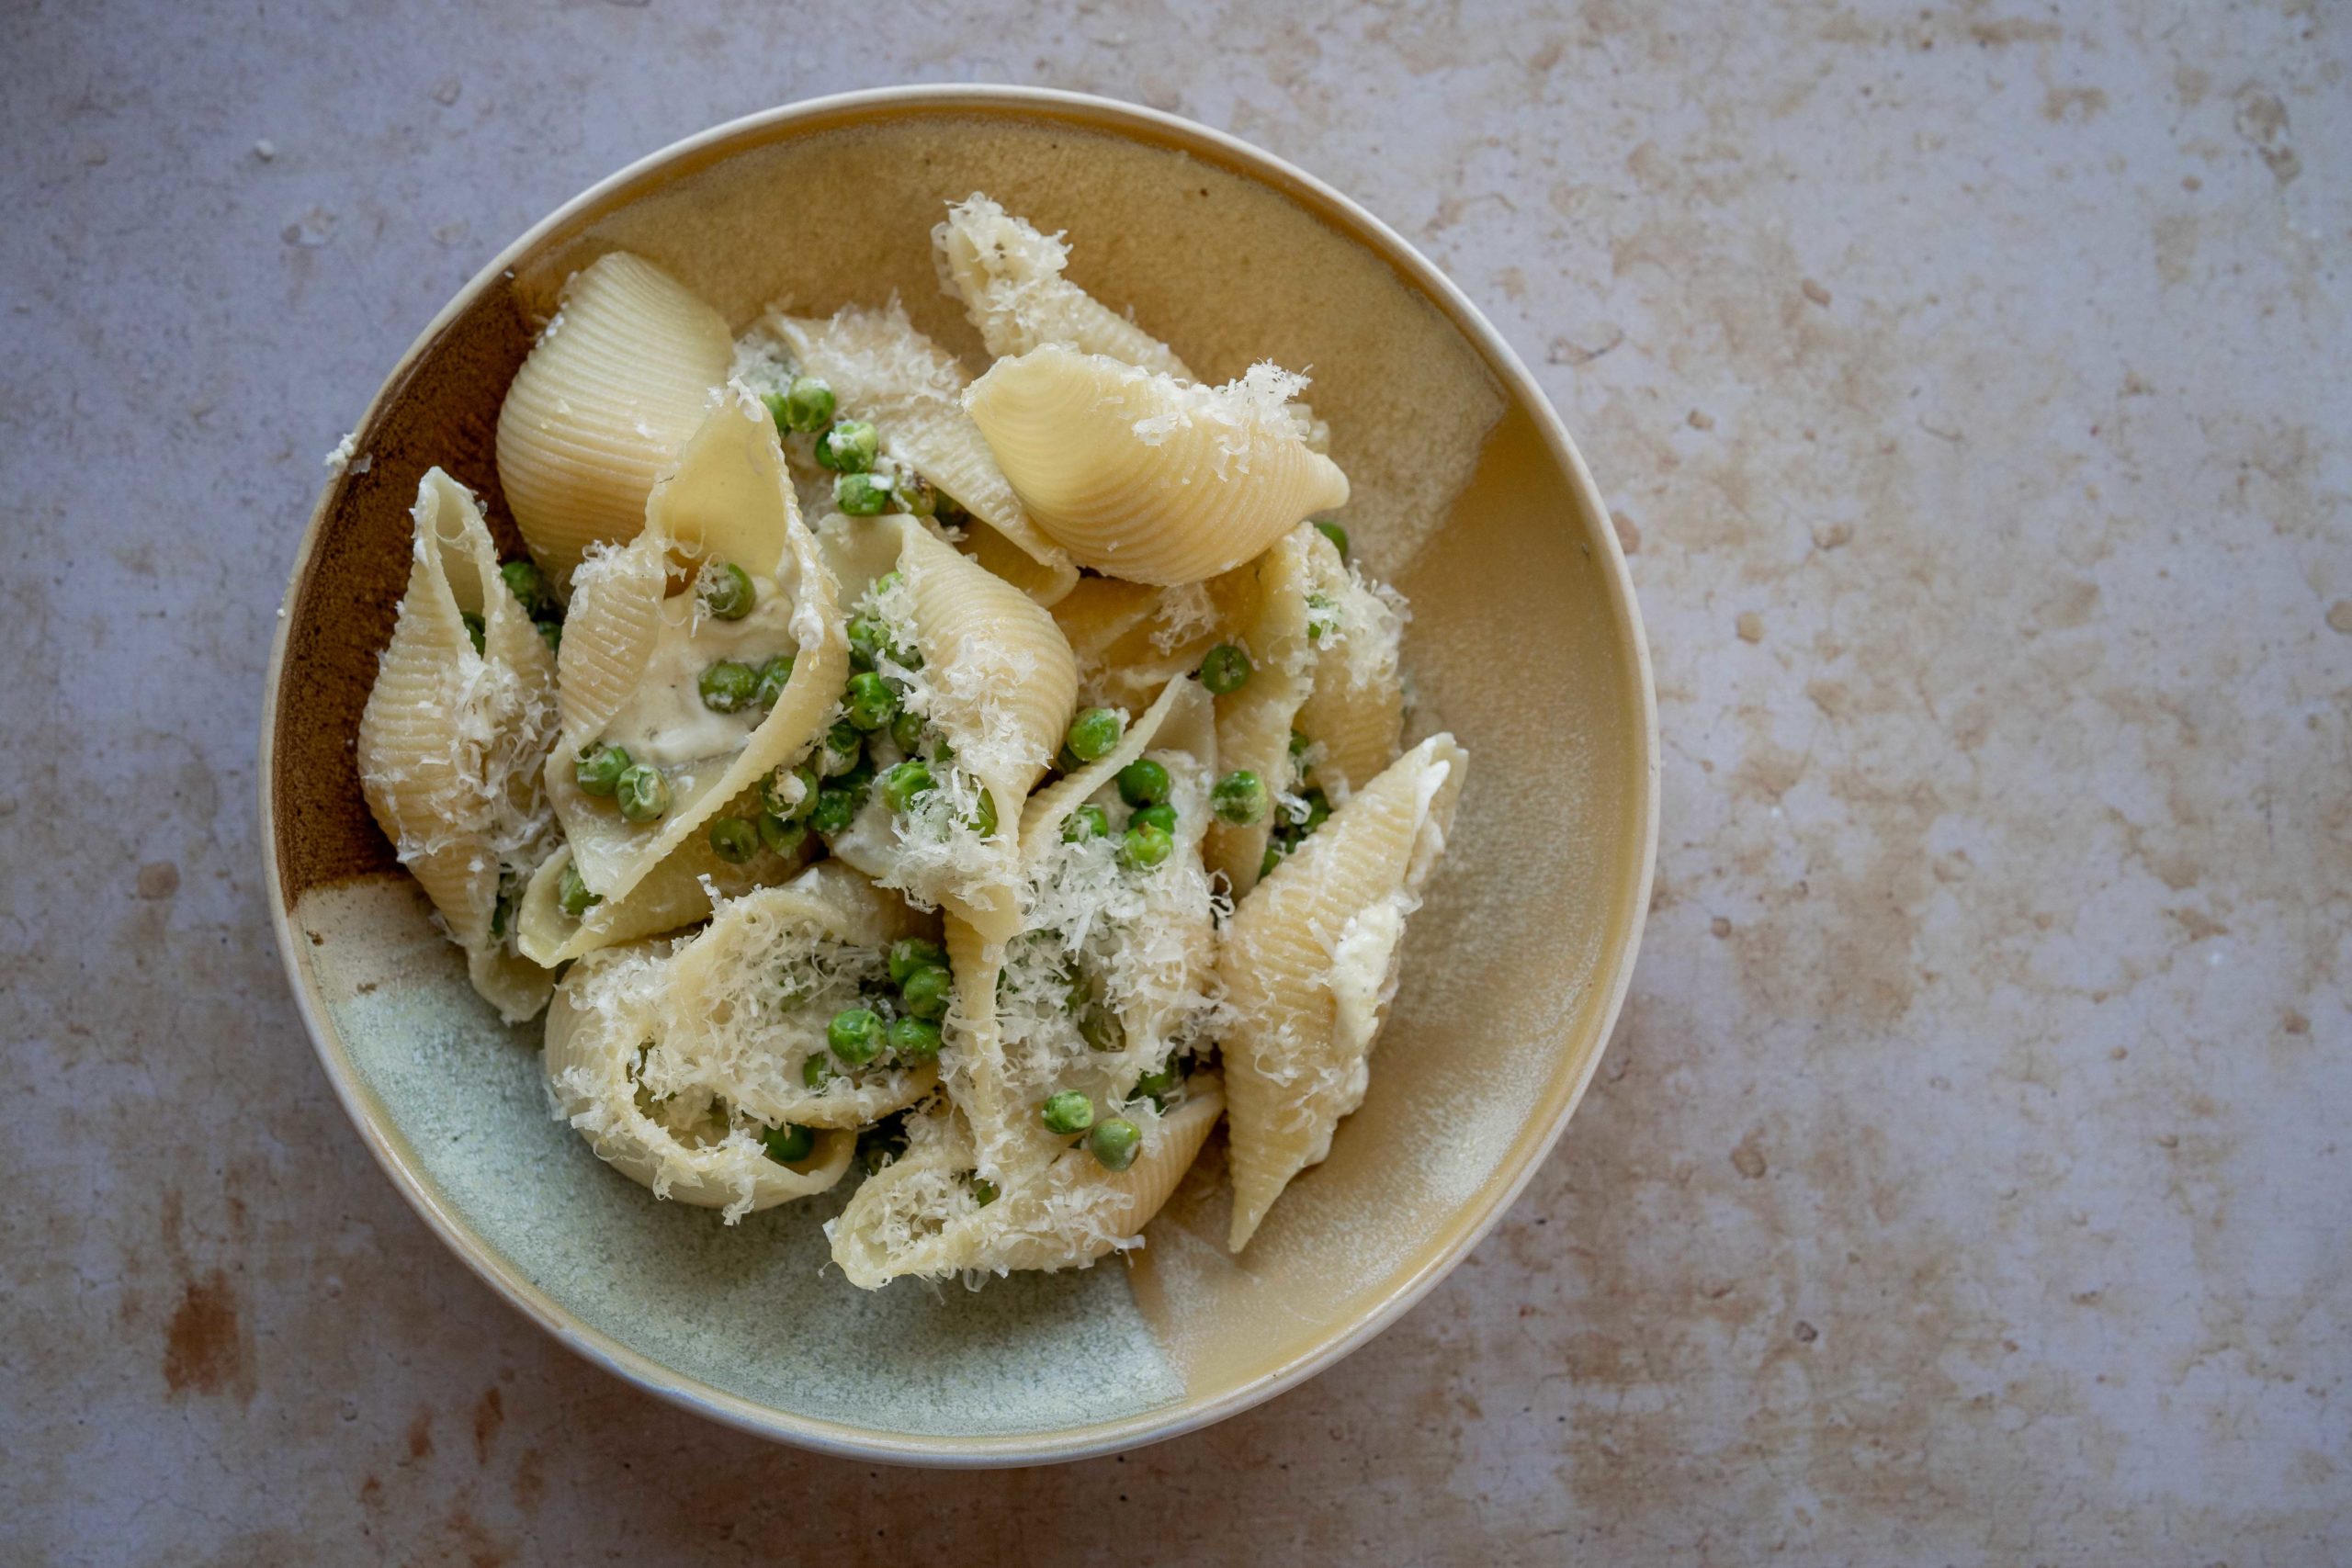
<point x="675" y="894"/>
<point x="996" y="678"/>
<point x="1309" y="962"/>
<point x="604" y="1016"/>
<point x="1009" y="276"/>
<point x="751" y="995"/>
<point x="451" y="741"/>
<point x="1142" y="476"/>
<point x="730" y="499"/>
<point x="619" y="378"/>
<point x="884" y="371"/>
<point x="1253" y="724"/>
<point x="922" y="1216"/>
<point x="1354" y="712"/>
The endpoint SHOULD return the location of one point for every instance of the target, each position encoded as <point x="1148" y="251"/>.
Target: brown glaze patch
<point x="490" y="1414"/>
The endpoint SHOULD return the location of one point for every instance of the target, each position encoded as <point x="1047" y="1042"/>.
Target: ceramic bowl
<point x="1525" y="641"/>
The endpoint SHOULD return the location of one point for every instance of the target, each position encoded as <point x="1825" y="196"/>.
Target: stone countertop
<point x="1958" y="1188"/>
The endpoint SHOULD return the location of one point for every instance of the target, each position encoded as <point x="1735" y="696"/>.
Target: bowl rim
<point x="1191" y="1412"/>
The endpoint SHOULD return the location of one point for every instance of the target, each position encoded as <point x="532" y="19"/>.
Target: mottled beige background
<point x="1966" y="1184"/>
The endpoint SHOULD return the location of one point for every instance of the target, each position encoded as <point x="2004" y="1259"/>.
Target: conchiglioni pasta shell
<point x="1001" y="686"/>
<point x="1130" y="639"/>
<point x="919" y="1217"/>
<point x="675" y="894"/>
<point x="1308" y="962"/>
<point x="1253" y="724"/>
<point x="723" y="984"/>
<point x="1166" y="949"/>
<point x="451" y="741"/>
<point x="604" y="1014"/>
<point x="1354" y="711"/>
<point x="620" y="378"/>
<point x="1008" y="276"/>
<point x="1141" y="477"/>
<point x="884" y="371"/>
<point x="730" y="499"/>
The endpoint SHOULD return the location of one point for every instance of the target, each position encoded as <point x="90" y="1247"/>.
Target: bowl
<point x="1525" y="642"/>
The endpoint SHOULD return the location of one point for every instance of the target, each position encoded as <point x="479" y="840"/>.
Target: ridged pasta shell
<point x="729" y="1017"/>
<point x="998" y="681"/>
<point x="1309" y="962"/>
<point x="1142" y="943"/>
<point x="674" y="895"/>
<point x="1253" y="724"/>
<point x="451" y="741"/>
<point x="1354" y="712"/>
<point x="1009" y="276"/>
<point x="604" y="1015"/>
<point x="619" y="378"/>
<point x="730" y="499"/>
<point x="881" y="369"/>
<point x="920" y="1216"/>
<point x="1130" y="639"/>
<point x="1141" y="477"/>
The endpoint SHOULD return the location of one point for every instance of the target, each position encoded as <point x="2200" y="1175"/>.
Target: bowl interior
<point x="1523" y="643"/>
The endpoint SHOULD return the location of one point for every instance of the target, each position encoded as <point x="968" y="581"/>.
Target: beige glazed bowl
<point x="1525" y="642"/>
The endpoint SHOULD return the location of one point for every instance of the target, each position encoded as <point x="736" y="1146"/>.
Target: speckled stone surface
<point x="1966" y="1183"/>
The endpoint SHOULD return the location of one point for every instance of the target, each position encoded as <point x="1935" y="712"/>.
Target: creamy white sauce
<point x="664" y="722"/>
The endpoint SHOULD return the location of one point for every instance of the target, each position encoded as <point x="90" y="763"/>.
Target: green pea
<point x="844" y="750"/>
<point x="790" y="1144"/>
<point x="807" y="404"/>
<point x="1068" y="761"/>
<point x="1116" y="1143"/>
<point x="785" y="837"/>
<point x="774" y="676"/>
<point x="474" y="628"/>
<point x="727" y="686"/>
<point x="1162" y="816"/>
<point x="915" y="1039"/>
<point x="1094" y="731"/>
<point x="1337" y="534"/>
<point x="1157" y="1085"/>
<point x="983" y="1191"/>
<point x="1225" y="670"/>
<point x="643" y="793"/>
<point x="571" y="894"/>
<point x="1276" y="850"/>
<point x="816" y="1072"/>
<point x="984" y="816"/>
<point x="1069" y="1111"/>
<point x="1239" y="798"/>
<point x="789" y="793"/>
<point x="836" y="809"/>
<point x="1086" y="822"/>
<point x="598" y="770"/>
<point x="855" y="1036"/>
<point x="779" y="409"/>
<point x="910" y="953"/>
<point x="530" y="586"/>
<point x="727" y="591"/>
<point x="1101" y="1029"/>
<point x="1143" y="783"/>
<point x="906" y="732"/>
<point x="862" y="495"/>
<point x="1318" y="810"/>
<point x="733" y="840"/>
<point x="1298" y="745"/>
<point x="848" y="447"/>
<point x="1145" y="847"/>
<point x="870" y="703"/>
<point x="905" y="783"/>
<point x="550" y="633"/>
<point x="915" y="494"/>
<point x="1322" y="617"/>
<point x="927" y="991"/>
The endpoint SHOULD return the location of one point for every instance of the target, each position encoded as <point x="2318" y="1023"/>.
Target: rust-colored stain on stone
<point x="490" y="1414"/>
<point x="204" y="1349"/>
